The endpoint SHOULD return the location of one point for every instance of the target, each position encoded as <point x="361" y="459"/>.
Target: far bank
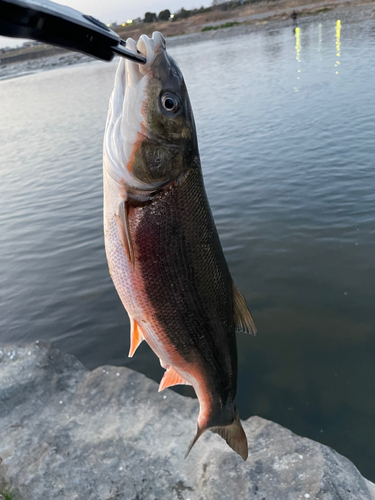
<point x="221" y="22"/>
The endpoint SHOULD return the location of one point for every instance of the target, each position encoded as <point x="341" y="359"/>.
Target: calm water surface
<point x="287" y="142"/>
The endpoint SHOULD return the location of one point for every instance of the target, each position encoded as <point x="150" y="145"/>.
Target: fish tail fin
<point x="194" y="440"/>
<point x="234" y="435"/>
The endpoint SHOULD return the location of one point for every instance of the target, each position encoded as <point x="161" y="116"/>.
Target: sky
<point x="118" y="11"/>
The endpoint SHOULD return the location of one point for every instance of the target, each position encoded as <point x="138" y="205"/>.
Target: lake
<point x="285" y="122"/>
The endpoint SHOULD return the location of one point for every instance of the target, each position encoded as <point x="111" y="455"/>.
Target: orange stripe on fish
<point x="122" y="189"/>
<point x="137" y="142"/>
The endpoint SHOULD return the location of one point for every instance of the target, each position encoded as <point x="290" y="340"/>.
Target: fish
<point x="162" y="245"/>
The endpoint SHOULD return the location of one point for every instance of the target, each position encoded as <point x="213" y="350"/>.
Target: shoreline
<point x="258" y="16"/>
<point x="347" y="12"/>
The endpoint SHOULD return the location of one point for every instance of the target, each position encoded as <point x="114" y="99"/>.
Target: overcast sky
<point x="110" y="11"/>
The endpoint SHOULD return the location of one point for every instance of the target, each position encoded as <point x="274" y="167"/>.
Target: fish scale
<point x="179" y="285"/>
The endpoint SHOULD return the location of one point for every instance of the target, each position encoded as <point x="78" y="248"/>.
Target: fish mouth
<point x="126" y="121"/>
<point x="150" y="48"/>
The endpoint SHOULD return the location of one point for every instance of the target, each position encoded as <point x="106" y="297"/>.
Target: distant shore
<point x="255" y="15"/>
<point x="200" y="27"/>
<point x="346" y="11"/>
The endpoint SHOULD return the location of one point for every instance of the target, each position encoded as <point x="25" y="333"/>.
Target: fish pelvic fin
<point x="136" y="337"/>
<point x="170" y="378"/>
<point x="194" y="440"/>
<point x="243" y="319"/>
<point x="234" y="435"/>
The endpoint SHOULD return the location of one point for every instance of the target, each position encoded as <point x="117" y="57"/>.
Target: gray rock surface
<point x="68" y="433"/>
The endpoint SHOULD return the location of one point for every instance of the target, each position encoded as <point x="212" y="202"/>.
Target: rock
<point x="68" y="433"/>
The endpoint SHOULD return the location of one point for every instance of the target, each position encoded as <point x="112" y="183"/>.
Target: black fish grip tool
<point x="56" y="24"/>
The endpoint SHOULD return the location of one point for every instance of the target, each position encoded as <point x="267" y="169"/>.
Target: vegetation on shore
<point x="226" y="25"/>
<point x="185" y="14"/>
<point x="6" y="495"/>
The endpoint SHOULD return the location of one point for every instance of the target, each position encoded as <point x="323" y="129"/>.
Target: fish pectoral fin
<point x="170" y="378"/>
<point x="124" y="230"/>
<point x="243" y="320"/>
<point x="234" y="435"/>
<point x="136" y="337"/>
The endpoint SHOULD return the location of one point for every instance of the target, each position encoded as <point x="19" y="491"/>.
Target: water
<point x="287" y="142"/>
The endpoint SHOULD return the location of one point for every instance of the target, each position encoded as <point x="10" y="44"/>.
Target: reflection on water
<point x="290" y="180"/>
<point x="298" y="50"/>
<point x="338" y="43"/>
<point x="297" y="33"/>
<point x="320" y="36"/>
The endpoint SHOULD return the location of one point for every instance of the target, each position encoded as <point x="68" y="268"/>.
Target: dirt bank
<point x="254" y="14"/>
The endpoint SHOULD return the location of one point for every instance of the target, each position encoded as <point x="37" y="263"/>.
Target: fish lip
<point x="150" y="48"/>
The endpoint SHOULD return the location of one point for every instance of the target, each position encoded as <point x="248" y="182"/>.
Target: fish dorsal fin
<point x="136" y="337"/>
<point x="171" y="377"/>
<point x="123" y="223"/>
<point x="243" y="320"/>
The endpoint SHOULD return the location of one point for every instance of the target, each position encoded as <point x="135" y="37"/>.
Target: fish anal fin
<point x="242" y="316"/>
<point x="124" y="230"/>
<point x="170" y="378"/>
<point x="136" y="337"/>
<point x="234" y="435"/>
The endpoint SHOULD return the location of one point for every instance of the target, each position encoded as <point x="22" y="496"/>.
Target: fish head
<point x="150" y="137"/>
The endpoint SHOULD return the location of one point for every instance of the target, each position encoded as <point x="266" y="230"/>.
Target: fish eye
<point x="170" y="102"/>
